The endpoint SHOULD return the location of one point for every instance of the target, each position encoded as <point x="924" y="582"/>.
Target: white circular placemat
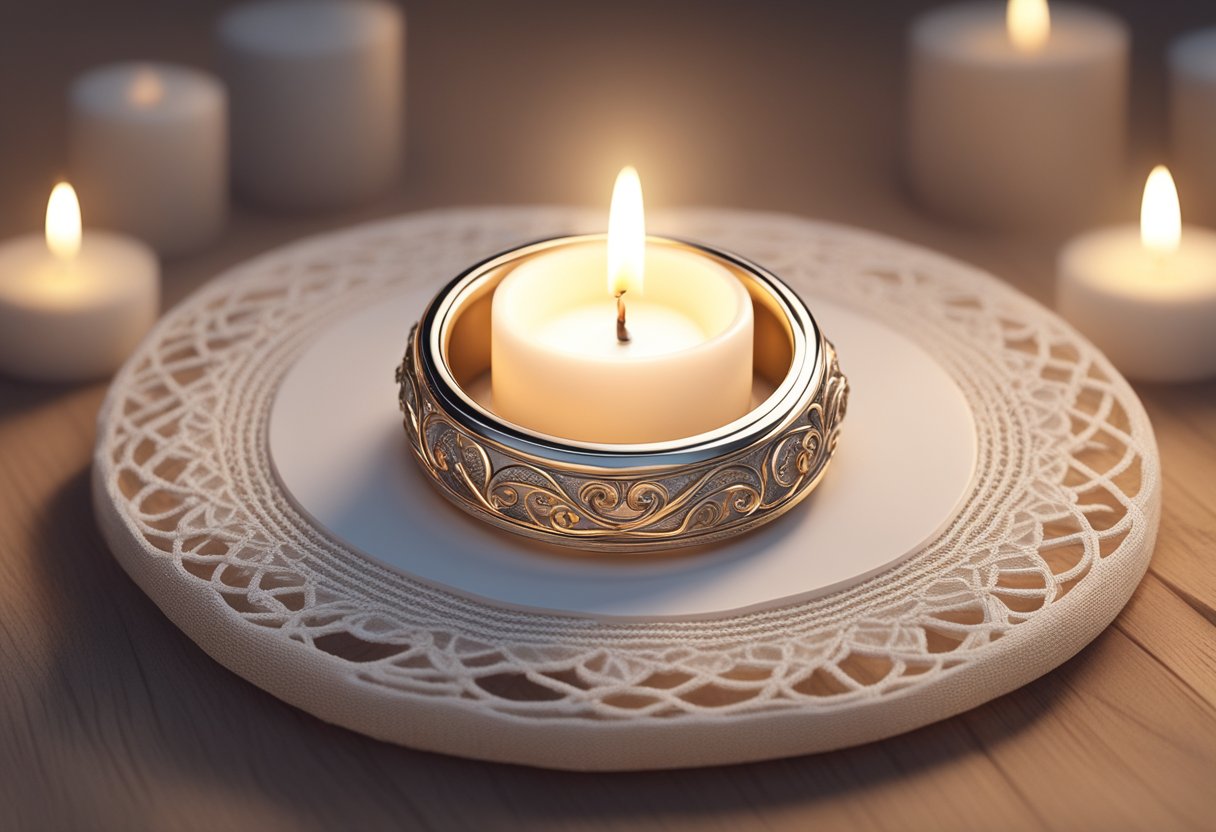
<point x="1053" y="535"/>
<point x="341" y="453"/>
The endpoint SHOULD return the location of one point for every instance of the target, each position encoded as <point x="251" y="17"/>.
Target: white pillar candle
<point x="1017" y="114"/>
<point x="1192" y="67"/>
<point x="559" y="367"/>
<point x="148" y="148"/>
<point x="1146" y="296"/>
<point x="73" y="306"/>
<point x="317" y="99"/>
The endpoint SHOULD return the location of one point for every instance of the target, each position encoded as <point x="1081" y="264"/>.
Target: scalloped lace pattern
<point x="1069" y="485"/>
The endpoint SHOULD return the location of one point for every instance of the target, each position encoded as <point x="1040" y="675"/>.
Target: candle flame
<point x="63" y="222"/>
<point x="1029" y="24"/>
<point x="626" y="234"/>
<point x="1160" y="216"/>
<point x="146" y="89"/>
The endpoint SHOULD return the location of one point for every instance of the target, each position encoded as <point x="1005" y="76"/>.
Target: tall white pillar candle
<point x="73" y="306"/>
<point x="565" y="364"/>
<point x="148" y="147"/>
<point x="1192" y="68"/>
<point x="1017" y="115"/>
<point x="317" y="91"/>
<point x="1146" y="296"/>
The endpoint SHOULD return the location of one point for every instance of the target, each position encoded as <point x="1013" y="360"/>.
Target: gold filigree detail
<point x="685" y="505"/>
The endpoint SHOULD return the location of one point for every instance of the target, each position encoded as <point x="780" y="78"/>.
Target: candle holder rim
<point x="806" y="371"/>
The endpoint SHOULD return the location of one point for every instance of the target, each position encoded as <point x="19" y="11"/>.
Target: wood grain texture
<point x="111" y="719"/>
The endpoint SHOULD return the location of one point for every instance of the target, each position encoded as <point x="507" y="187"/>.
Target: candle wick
<point x="622" y="332"/>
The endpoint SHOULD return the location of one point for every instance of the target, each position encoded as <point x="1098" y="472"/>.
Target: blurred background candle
<point x="317" y="91"/>
<point x="559" y="365"/>
<point x="148" y="146"/>
<point x="1017" y="112"/>
<point x="73" y="305"/>
<point x="1146" y="296"/>
<point x="1192" y="73"/>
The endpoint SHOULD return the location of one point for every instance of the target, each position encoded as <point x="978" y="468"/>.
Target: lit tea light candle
<point x="1146" y="296"/>
<point x="627" y="342"/>
<point x="1017" y="112"/>
<point x="73" y="305"/>
<point x="149" y="152"/>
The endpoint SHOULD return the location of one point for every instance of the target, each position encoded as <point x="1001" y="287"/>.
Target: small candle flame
<point x="146" y="89"/>
<point x="63" y="222"/>
<point x="626" y="234"/>
<point x="1160" y="216"/>
<point x="1029" y="24"/>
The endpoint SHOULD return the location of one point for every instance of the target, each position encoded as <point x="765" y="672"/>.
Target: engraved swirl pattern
<point x="709" y="502"/>
<point x="1054" y="537"/>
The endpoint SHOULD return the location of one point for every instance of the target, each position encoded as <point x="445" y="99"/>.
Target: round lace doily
<point x="1050" y="543"/>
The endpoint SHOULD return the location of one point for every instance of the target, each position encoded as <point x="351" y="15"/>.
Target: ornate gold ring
<point x="621" y="498"/>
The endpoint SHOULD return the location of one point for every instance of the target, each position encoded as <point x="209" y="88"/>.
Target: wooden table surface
<point x="112" y="719"/>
